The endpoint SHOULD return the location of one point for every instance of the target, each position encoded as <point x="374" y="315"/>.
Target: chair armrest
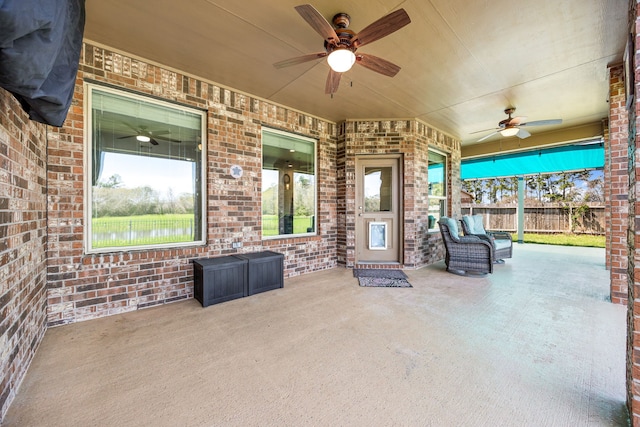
<point x="500" y="235"/>
<point x="485" y="237"/>
<point x="472" y="246"/>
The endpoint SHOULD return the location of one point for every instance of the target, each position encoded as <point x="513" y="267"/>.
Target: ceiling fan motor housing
<point x="505" y="123"/>
<point x="341" y="22"/>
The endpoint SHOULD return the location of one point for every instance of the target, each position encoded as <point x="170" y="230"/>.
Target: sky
<point x="269" y="178"/>
<point x="157" y="173"/>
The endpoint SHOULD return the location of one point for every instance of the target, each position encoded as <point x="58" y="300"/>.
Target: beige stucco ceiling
<point x="463" y="62"/>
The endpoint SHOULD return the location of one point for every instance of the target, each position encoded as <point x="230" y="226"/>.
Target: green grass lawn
<point x="180" y="223"/>
<point x="270" y="224"/>
<point x="142" y="230"/>
<point x="143" y="222"/>
<point x="563" y="239"/>
<point x="173" y="228"/>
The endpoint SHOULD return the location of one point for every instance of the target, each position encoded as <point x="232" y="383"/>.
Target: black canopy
<point x="40" y="42"/>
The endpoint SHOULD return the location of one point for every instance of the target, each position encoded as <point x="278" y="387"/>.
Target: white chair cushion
<point x="501" y="243"/>
<point x="453" y="226"/>
<point x="478" y="227"/>
<point x="470" y="223"/>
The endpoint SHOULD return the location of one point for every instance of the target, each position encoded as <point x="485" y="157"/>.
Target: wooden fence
<point x="587" y="218"/>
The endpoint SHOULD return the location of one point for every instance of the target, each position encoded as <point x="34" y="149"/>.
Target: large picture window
<point x="145" y="178"/>
<point x="288" y="184"/>
<point x="437" y="171"/>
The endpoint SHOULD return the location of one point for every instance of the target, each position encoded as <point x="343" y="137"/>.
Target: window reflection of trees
<point x="378" y="189"/>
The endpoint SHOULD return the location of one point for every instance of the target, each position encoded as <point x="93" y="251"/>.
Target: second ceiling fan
<point x="512" y="126"/>
<point x="142" y="134"/>
<point x="340" y="43"/>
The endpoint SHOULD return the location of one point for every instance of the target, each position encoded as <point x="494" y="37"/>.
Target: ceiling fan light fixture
<point x="341" y="60"/>
<point x="509" y="131"/>
<point x="143" y="138"/>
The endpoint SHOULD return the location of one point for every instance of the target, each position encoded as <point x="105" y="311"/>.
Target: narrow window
<point x="437" y="188"/>
<point x="288" y="184"/>
<point x="145" y="174"/>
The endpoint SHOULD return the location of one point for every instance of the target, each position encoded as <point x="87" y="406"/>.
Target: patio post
<point x="520" y="209"/>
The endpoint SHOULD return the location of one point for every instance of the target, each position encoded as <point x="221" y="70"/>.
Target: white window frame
<point x="88" y="169"/>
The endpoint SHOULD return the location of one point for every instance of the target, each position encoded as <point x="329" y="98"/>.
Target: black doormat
<point x="381" y="278"/>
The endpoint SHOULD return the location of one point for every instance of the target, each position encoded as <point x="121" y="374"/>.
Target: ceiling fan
<point x="142" y="134"/>
<point x="512" y="126"/>
<point x="340" y="43"/>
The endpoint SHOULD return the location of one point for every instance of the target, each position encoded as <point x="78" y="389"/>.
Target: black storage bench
<point x="225" y="278"/>
<point x="265" y="271"/>
<point x="219" y="279"/>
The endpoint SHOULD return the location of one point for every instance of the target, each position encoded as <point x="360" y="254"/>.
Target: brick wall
<point x="606" y="191"/>
<point x="411" y="139"/>
<point x="22" y="244"/>
<point x="85" y="286"/>
<point x="617" y="183"/>
<point x="344" y="228"/>
<point x="633" y="307"/>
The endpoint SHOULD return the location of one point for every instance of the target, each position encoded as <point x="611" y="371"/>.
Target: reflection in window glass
<point x="377" y="189"/>
<point x="437" y="187"/>
<point x="146" y="172"/>
<point x="288" y="184"/>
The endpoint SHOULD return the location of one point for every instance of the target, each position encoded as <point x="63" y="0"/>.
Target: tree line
<point x="303" y="196"/>
<point x="579" y="187"/>
<point x="111" y="199"/>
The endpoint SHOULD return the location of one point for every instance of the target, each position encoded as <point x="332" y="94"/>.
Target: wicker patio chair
<point x="465" y="255"/>
<point x="500" y="240"/>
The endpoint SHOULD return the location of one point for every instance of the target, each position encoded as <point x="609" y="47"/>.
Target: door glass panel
<point x="378" y="192"/>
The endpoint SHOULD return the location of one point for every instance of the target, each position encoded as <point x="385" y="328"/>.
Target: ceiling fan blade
<point x="133" y="128"/>
<point x="517" y="120"/>
<point x="153" y="141"/>
<point x="487" y="136"/>
<point x="333" y="80"/>
<point x="318" y="23"/>
<point x="166" y="139"/>
<point x="126" y="136"/>
<point x="378" y="65"/>
<point x="522" y="134"/>
<point x="381" y="28"/>
<point x="484" y="130"/>
<point x="300" y="59"/>
<point x="543" y="122"/>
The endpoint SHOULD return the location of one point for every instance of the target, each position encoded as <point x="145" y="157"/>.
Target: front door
<point x="378" y="231"/>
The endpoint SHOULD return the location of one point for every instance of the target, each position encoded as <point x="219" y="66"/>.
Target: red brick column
<point x="633" y="313"/>
<point x="606" y="189"/>
<point x="617" y="188"/>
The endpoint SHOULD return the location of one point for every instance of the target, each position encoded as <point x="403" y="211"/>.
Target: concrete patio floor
<point x="535" y="344"/>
